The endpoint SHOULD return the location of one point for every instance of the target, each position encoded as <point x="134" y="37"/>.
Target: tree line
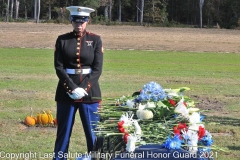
<point x="199" y="13"/>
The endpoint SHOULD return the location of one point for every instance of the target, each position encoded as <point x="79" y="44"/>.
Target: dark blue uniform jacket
<point x="75" y="51"/>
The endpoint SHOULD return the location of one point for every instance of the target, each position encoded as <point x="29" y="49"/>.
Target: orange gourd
<point x="45" y="118"/>
<point x="30" y="120"/>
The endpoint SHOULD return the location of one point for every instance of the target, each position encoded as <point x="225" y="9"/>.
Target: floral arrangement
<point x="156" y="116"/>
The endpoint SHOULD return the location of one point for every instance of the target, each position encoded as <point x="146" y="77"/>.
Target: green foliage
<point x="63" y="15"/>
<point x="90" y="3"/>
<point x="97" y="20"/>
<point x="2" y="19"/>
<point x="156" y="12"/>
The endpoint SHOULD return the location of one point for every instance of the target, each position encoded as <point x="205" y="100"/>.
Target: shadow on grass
<point x="236" y="148"/>
<point x="222" y="120"/>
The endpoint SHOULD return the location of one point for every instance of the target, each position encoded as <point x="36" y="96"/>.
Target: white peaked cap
<point x="79" y="11"/>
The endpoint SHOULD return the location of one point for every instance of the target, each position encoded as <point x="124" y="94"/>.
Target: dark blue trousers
<point x="65" y="116"/>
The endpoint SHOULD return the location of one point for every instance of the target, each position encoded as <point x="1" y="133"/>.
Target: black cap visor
<point x="79" y="19"/>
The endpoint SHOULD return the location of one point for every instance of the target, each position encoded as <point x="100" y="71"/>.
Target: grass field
<point x="28" y="80"/>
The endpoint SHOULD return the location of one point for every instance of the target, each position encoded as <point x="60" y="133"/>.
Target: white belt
<point x="78" y="71"/>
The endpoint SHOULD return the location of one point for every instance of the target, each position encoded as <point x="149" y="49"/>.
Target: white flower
<point x="145" y="114"/>
<point x="130" y="146"/>
<point x="176" y="92"/>
<point x="194" y="118"/>
<point x="130" y="103"/>
<point x="127" y="119"/>
<point x="191" y="110"/>
<point x="124" y="118"/>
<point x="193" y="141"/>
<point x="138" y="112"/>
<point x="181" y="108"/>
<point x="150" y="105"/>
<point x="141" y="106"/>
<point x="172" y="92"/>
<point x="138" y="130"/>
<point x="194" y="127"/>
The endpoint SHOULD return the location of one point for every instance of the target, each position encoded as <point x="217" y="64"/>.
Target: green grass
<point x="28" y="80"/>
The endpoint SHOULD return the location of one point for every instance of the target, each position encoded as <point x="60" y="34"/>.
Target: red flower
<point x="120" y="127"/>
<point x="201" y="132"/>
<point x="125" y="137"/>
<point x="120" y="124"/>
<point x="122" y="130"/>
<point x="182" y="126"/>
<point x="172" y="102"/>
<point x="176" y="130"/>
<point x="185" y="104"/>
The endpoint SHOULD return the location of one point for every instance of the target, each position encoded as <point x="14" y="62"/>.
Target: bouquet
<point x="155" y="115"/>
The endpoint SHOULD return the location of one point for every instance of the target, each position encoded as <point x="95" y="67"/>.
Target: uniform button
<point x="79" y="71"/>
<point x="89" y="85"/>
<point x="77" y="60"/>
<point x="64" y="84"/>
<point x="69" y="90"/>
<point x="78" y="43"/>
<point x="78" y="48"/>
<point x="85" y="88"/>
<point x="78" y="65"/>
<point x="77" y="54"/>
<point x="66" y="87"/>
<point x="78" y="39"/>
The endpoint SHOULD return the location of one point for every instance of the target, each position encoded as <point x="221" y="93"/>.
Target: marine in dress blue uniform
<point x="78" y="61"/>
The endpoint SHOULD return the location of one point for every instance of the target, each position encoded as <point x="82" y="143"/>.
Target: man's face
<point x="79" y="27"/>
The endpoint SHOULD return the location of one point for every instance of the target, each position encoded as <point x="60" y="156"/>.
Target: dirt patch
<point x="32" y="35"/>
<point x="210" y="104"/>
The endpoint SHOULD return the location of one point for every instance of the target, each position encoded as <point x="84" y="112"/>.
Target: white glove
<point x="80" y="92"/>
<point x="73" y="96"/>
<point x="77" y="93"/>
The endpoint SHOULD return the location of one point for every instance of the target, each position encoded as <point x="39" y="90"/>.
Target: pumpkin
<point x="45" y="118"/>
<point x="55" y="121"/>
<point x="30" y="120"/>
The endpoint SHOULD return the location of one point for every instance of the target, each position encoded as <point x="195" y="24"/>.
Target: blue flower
<point x="173" y="143"/>
<point x="201" y="118"/>
<point x="151" y="91"/>
<point x="206" y="140"/>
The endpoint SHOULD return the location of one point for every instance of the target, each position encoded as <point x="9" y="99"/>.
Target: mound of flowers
<point x="155" y="115"/>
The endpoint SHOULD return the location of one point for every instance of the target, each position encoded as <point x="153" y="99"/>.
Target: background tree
<point x="201" y="2"/>
<point x="223" y="13"/>
<point x="7" y="10"/>
<point x="11" y="9"/>
<point x="16" y="9"/>
<point x="142" y="10"/>
<point x="38" y="10"/>
<point x="122" y="10"/>
<point x="155" y="11"/>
